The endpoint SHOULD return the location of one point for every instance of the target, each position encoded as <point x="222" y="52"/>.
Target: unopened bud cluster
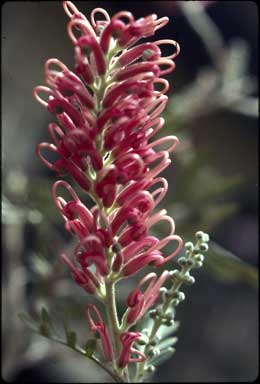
<point x="164" y="314"/>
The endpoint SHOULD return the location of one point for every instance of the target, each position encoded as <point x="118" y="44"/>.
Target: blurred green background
<point x="213" y="186"/>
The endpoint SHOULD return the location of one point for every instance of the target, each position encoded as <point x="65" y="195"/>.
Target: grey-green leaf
<point x="164" y="355"/>
<point x="166" y="343"/>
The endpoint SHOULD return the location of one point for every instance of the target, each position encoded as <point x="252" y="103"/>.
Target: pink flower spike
<point x="107" y="111"/>
<point x="102" y="331"/>
<point x="127" y="339"/>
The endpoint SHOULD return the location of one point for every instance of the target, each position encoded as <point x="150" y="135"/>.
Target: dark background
<point x="213" y="186"/>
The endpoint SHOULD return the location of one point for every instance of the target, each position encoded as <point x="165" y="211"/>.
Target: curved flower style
<point x="108" y="112"/>
<point x="100" y="328"/>
<point x="127" y="339"/>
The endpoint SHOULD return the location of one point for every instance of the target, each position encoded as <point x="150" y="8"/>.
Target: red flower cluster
<point x="108" y="111"/>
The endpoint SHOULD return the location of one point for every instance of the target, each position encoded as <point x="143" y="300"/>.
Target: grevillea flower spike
<point x="108" y="111"/>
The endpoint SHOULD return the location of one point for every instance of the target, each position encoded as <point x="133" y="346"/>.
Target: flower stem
<point x="113" y="318"/>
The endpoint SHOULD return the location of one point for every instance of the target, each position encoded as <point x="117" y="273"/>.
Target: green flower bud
<point x="153" y="352"/>
<point x="189" y="246"/>
<point x="199" y="235"/>
<point x="143" y="340"/>
<point x="168" y="323"/>
<point x="189" y="262"/>
<point x="204" y="247"/>
<point x="150" y="369"/>
<point x="188" y="279"/>
<point x="168" y="316"/>
<point x="163" y="290"/>
<point x="174" y="275"/>
<point x="198" y="264"/>
<point x="175" y="302"/>
<point x="206" y="238"/>
<point x="182" y="261"/>
<point x="199" y="257"/>
<point x="181" y="296"/>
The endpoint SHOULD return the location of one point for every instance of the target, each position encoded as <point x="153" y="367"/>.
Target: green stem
<point x="112" y="313"/>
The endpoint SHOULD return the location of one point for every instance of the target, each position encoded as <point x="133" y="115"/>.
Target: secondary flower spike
<point x="107" y="111"/>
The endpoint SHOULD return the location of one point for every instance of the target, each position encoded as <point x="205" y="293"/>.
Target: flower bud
<point x="163" y="290"/>
<point x="204" y="247"/>
<point x="150" y="369"/>
<point x="182" y="261"/>
<point x="169" y="323"/>
<point x="199" y="235"/>
<point x="198" y="264"/>
<point x="199" y="257"/>
<point x="181" y="296"/>
<point x="188" y="279"/>
<point x="175" y="303"/>
<point x="153" y="352"/>
<point x="143" y="340"/>
<point x="189" y="246"/>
